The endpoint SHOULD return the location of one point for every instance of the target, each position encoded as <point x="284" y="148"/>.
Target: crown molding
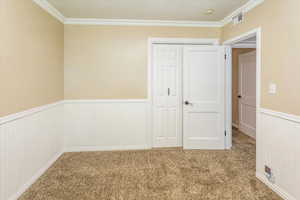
<point x="132" y="22"/>
<point x="50" y="9"/>
<point x="244" y="9"/>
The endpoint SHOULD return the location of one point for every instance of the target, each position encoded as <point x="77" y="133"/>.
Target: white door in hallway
<point x="247" y="93"/>
<point x="203" y="94"/>
<point x="167" y="106"/>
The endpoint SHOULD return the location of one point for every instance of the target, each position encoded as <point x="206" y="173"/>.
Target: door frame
<point x="229" y="45"/>
<point x="171" y="41"/>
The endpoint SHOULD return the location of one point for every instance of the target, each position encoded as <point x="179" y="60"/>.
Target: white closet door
<point x="204" y="85"/>
<point x="247" y="90"/>
<point x="167" y="122"/>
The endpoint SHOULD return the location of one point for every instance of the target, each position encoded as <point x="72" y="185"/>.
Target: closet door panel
<point x="166" y="96"/>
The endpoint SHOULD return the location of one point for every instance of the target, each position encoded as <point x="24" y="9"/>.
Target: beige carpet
<point x="172" y="174"/>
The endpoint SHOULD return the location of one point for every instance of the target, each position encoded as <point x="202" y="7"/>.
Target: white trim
<point x="105" y="148"/>
<point x="258" y="68"/>
<point x="228" y="97"/>
<point x="106" y="101"/>
<point x="35" y="177"/>
<point x="289" y="117"/>
<point x="50" y="9"/>
<point x="282" y="193"/>
<point x="244" y="9"/>
<point x="19" y="115"/>
<point x="242" y="37"/>
<point x="136" y="22"/>
<point x="244" y="46"/>
<point x="149" y="95"/>
<point x="256" y="32"/>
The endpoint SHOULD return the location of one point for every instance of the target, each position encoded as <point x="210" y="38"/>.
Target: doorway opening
<point x="243" y="72"/>
<point x="244" y="87"/>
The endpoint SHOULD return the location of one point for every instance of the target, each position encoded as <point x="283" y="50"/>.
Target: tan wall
<point x="110" y="62"/>
<point x="280" y="51"/>
<point x="235" y="82"/>
<point x="31" y="71"/>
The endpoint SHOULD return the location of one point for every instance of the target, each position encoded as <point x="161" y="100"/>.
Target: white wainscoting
<point x="279" y="148"/>
<point x="30" y="142"/>
<point x="95" y="125"/>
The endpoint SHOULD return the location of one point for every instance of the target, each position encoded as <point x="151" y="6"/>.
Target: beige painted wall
<point x="110" y="62"/>
<point x="31" y="70"/>
<point x="235" y="82"/>
<point x="280" y="25"/>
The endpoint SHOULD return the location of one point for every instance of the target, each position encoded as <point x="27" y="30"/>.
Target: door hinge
<point x="225" y="56"/>
<point x="225" y="133"/>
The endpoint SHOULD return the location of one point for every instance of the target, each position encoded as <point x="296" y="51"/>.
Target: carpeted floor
<point x="172" y="174"/>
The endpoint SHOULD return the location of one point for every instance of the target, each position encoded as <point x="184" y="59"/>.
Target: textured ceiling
<point x="191" y="10"/>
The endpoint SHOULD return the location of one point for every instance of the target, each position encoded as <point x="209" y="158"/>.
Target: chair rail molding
<point x="22" y="114"/>
<point x="286" y="116"/>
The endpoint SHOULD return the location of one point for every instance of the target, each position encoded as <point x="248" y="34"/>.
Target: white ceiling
<point x="188" y="10"/>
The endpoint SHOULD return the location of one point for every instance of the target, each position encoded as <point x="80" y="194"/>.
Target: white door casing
<point x="167" y="98"/>
<point x="247" y="93"/>
<point x="204" y="89"/>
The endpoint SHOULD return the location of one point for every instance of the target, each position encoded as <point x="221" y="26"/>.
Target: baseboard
<point x="252" y="135"/>
<point x="106" y="148"/>
<point x="248" y="131"/>
<point x="35" y="177"/>
<point x="228" y="147"/>
<point x="235" y="125"/>
<point x="282" y="193"/>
